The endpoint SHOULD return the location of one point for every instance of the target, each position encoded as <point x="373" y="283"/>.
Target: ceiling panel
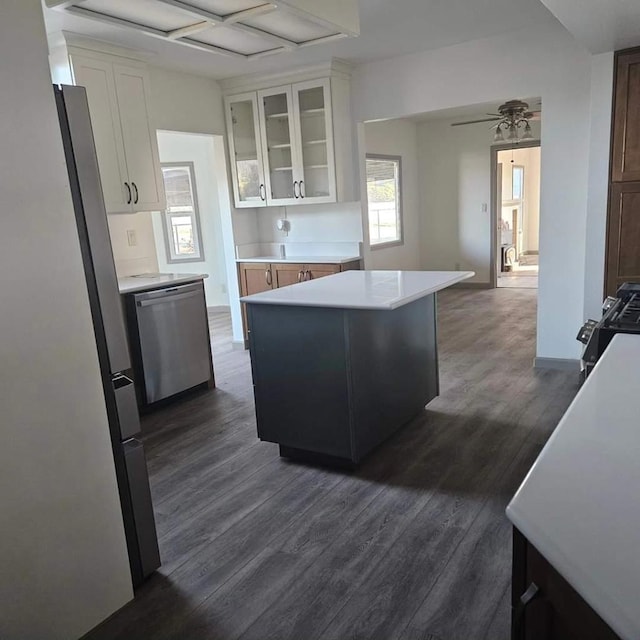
<point x="145" y="12"/>
<point x="289" y="26"/>
<point x="234" y="40"/>
<point x="225" y="7"/>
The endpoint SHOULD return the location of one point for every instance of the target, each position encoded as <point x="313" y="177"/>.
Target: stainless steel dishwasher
<point x="170" y="341"/>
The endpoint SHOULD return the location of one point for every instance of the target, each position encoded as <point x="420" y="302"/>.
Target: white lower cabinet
<point x="126" y="145"/>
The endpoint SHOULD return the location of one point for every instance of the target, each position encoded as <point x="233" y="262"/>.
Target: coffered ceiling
<point x="388" y="28"/>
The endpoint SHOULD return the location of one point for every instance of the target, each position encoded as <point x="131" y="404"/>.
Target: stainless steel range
<point x="620" y="315"/>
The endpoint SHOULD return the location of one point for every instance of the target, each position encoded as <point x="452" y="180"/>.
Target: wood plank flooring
<point x="413" y="545"/>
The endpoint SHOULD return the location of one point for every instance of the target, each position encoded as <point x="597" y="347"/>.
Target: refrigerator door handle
<point x="127" y="406"/>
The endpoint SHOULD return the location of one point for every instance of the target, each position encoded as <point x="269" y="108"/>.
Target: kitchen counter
<point x="149" y="281"/>
<point x="385" y="290"/>
<point x="302" y="259"/>
<point x="579" y="506"/>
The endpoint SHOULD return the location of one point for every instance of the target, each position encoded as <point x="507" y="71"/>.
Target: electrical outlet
<point x="485" y="208"/>
<point x="132" y="240"/>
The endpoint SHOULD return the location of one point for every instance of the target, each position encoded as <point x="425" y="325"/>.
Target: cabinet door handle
<point x="267" y="276"/>
<point x="263" y="193"/>
<point x="126" y="184"/>
<point x="135" y="200"/>
<point x="532" y="592"/>
<point x="301" y="189"/>
<point x="307" y="275"/>
<point x="295" y="193"/>
<point x="300" y="275"/>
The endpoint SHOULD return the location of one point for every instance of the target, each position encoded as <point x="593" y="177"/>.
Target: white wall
<point x="599" y="140"/>
<point x="63" y="555"/>
<point x="398" y="138"/>
<point x="455" y="181"/>
<point x="140" y="257"/>
<point x="544" y="61"/>
<point x="189" y="147"/>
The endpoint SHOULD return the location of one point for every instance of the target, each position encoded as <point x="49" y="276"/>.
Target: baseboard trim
<point x="471" y="285"/>
<point x="559" y="364"/>
<point x="222" y="308"/>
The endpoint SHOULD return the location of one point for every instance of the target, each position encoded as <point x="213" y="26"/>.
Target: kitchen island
<point x="341" y="363"/>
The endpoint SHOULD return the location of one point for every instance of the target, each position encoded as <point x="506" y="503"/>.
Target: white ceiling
<point x="600" y="25"/>
<point x="388" y="28"/>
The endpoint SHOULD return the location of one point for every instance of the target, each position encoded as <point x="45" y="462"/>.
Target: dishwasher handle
<point x="167" y="298"/>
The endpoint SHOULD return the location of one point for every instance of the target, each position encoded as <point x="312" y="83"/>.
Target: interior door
<point x="98" y="79"/>
<point x="140" y="143"/>
<point x="314" y="141"/>
<point x="249" y="189"/>
<point x="278" y="149"/>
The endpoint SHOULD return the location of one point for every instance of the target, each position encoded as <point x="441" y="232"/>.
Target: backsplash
<point x="140" y="257"/>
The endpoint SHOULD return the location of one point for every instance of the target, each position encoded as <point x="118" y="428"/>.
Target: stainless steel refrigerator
<point x="110" y="331"/>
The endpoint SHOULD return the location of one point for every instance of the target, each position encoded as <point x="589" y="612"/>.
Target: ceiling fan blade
<point x="459" y="124"/>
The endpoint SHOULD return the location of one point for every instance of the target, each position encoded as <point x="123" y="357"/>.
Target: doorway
<point x="516" y="214"/>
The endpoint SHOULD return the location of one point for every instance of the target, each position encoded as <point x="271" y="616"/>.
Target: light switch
<point x="484" y="207"/>
<point x="132" y="241"/>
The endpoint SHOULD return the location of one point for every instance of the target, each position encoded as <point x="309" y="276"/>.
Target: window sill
<point x="386" y="245"/>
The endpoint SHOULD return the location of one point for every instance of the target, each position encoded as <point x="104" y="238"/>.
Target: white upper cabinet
<point x="97" y="77"/>
<point x="140" y="141"/>
<point x="126" y="144"/>
<point x="245" y="151"/>
<point x="279" y="149"/>
<point x="283" y="139"/>
<point x="314" y="141"/>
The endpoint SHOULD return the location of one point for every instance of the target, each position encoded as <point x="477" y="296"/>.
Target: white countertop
<point x="146" y="281"/>
<point x="361" y="289"/>
<point x="302" y="259"/>
<point x="580" y="503"/>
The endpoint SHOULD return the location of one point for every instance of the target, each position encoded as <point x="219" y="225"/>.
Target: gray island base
<point x="338" y="369"/>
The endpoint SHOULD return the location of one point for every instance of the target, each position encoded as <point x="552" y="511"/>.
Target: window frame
<point x="166" y="214"/>
<point x="399" y="217"/>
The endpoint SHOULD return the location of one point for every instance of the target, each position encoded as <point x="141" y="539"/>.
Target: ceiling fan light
<point x="499" y="136"/>
<point x="527" y="135"/>
<point x="513" y="134"/>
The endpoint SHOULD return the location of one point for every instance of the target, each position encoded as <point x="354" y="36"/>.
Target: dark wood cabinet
<point x="544" y="605"/>
<point x="622" y="262"/>
<point x="625" y="165"/>
<point x="256" y="277"/>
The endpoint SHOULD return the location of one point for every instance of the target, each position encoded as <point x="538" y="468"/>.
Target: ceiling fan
<point x="512" y="116"/>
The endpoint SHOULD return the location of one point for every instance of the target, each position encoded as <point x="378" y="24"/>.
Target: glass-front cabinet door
<point x="314" y="140"/>
<point x="249" y="188"/>
<point x="278" y="146"/>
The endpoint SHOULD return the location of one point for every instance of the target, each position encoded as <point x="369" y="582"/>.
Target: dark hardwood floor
<point x="413" y="545"/>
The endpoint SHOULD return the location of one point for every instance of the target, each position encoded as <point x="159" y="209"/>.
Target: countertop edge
<point x="390" y="306"/>
<point x="301" y="259"/>
<point x="160" y="285"/>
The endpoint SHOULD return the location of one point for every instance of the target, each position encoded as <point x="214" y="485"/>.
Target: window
<point x="384" y="186"/>
<point x="517" y="182"/>
<point x="181" y="221"/>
